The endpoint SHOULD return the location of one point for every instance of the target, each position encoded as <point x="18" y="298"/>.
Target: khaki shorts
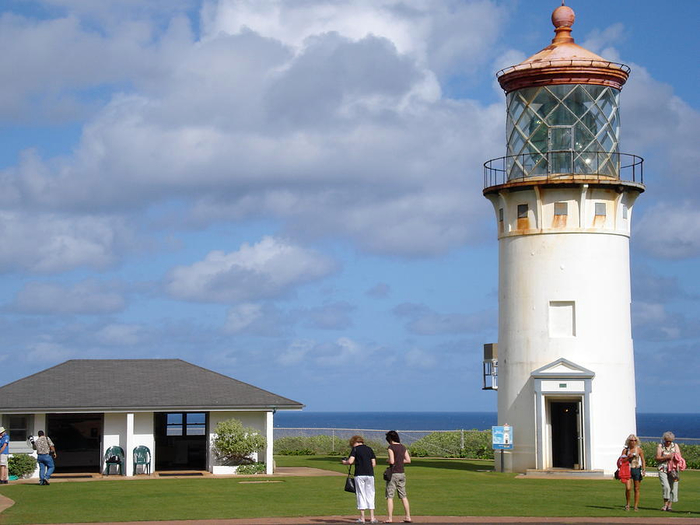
<point x="397" y="484"/>
<point x="3" y="459"/>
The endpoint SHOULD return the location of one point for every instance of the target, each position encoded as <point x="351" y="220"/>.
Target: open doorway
<point x="565" y="418"/>
<point x="78" y="439"/>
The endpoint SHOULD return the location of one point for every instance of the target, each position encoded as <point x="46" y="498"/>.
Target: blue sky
<point x="289" y="193"/>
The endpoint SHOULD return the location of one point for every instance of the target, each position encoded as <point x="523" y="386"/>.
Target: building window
<point x="561" y="208"/>
<point x="624" y="211"/>
<point x="522" y="211"/>
<point x="500" y="214"/>
<point x="18" y="426"/>
<point x="600" y="209"/>
<point x="186" y="424"/>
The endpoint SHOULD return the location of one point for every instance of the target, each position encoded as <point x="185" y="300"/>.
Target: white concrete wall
<point x="582" y="262"/>
<point x="257" y="420"/>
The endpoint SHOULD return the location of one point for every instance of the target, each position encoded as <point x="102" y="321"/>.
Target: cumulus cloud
<point x="658" y="322"/>
<point x="259" y="319"/>
<point x="270" y="268"/>
<point x="333" y="127"/>
<point x="52" y="243"/>
<point x="424" y="321"/>
<point x="670" y="230"/>
<point x="86" y="297"/>
<point x="332" y="316"/>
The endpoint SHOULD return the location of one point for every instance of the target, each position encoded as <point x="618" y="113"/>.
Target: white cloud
<point x="51" y="243"/>
<point x="305" y="116"/>
<point x="332" y="316"/>
<point x="670" y="230"/>
<point x="120" y="334"/>
<point x="270" y="268"/>
<point x="86" y="297"/>
<point x="257" y="319"/>
<point x="424" y="321"/>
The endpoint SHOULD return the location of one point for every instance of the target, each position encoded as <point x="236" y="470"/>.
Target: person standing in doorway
<point x="364" y="460"/>
<point x="46" y="453"/>
<point x="4" y="455"/>
<point x="398" y="456"/>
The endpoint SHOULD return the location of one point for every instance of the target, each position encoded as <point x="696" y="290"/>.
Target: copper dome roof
<point x="563" y="62"/>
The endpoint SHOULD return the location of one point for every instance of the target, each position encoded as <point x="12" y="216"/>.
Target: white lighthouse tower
<point x="563" y="197"/>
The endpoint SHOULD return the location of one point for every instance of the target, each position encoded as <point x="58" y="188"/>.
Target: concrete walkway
<point x="629" y="518"/>
<point x="320" y="520"/>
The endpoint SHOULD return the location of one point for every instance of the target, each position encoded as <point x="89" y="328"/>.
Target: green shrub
<point x="21" y="465"/>
<point x="319" y="445"/>
<point x="253" y="468"/>
<point x="473" y="444"/>
<point x="691" y="453"/>
<point x="235" y="444"/>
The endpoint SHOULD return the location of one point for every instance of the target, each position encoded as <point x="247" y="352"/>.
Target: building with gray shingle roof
<point x="169" y="405"/>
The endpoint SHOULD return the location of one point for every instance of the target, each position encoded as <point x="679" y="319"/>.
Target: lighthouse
<point x="563" y="197"/>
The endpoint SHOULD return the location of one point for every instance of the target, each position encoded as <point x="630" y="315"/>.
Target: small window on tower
<point x="624" y="211"/>
<point x="600" y="209"/>
<point x="500" y="214"/>
<point x="522" y="211"/>
<point x="561" y="208"/>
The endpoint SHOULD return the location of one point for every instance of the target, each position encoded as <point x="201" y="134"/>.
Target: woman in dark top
<point x="398" y="455"/>
<point x="364" y="460"/>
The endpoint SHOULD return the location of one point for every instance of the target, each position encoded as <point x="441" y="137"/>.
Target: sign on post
<point x="502" y="437"/>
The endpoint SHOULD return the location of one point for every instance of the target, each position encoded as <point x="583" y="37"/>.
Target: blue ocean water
<point x="648" y="425"/>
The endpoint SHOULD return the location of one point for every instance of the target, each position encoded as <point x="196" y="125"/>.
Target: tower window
<point x="624" y="211"/>
<point x="600" y="209"/>
<point x="500" y="214"/>
<point x="561" y="208"/>
<point x="522" y="211"/>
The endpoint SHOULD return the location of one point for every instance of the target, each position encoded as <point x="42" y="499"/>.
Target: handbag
<point x="350" y="482"/>
<point x="617" y="474"/>
<point x="387" y="474"/>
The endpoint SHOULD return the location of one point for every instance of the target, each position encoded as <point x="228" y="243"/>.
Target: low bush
<point x="21" y="465"/>
<point x="691" y="453"/>
<point x="319" y="445"/>
<point x="253" y="468"/>
<point x="473" y="444"/>
<point x="235" y="444"/>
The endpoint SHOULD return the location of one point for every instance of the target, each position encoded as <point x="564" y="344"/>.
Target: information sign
<point x="502" y="437"/>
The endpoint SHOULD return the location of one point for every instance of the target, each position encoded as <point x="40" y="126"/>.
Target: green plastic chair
<point x="114" y="456"/>
<point x="142" y="456"/>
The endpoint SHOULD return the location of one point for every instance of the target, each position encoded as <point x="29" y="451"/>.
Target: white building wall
<point x="564" y="292"/>
<point x="257" y="420"/>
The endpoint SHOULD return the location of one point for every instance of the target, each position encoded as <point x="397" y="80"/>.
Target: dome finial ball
<point x="563" y="16"/>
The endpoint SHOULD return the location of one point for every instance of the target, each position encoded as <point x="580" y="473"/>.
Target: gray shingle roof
<point x="133" y="384"/>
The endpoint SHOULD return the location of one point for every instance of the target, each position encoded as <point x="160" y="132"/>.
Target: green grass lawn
<point x="435" y="487"/>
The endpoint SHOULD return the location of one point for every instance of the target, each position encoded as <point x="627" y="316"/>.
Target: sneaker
<point x="46" y="482"/>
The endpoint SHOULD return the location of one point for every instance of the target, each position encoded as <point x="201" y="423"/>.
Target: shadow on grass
<point x="448" y="464"/>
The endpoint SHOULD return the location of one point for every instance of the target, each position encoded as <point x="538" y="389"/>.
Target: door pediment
<point x="562" y="368"/>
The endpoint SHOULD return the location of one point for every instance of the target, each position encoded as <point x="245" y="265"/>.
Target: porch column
<point x="269" y="436"/>
<point x="129" y="444"/>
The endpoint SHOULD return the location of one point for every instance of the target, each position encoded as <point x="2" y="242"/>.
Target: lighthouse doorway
<point x="565" y="418"/>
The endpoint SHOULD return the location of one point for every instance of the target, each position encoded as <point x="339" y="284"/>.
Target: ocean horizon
<point x="649" y="424"/>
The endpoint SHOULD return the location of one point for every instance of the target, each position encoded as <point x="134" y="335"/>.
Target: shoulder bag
<point x="350" y="482"/>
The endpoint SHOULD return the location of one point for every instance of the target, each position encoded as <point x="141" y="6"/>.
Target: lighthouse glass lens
<point x="563" y="130"/>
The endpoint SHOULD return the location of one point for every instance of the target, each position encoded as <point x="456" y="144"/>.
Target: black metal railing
<point x="563" y="164"/>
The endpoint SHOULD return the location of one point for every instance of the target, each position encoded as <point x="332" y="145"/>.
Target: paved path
<point x="321" y="520"/>
<point x="673" y="519"/>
